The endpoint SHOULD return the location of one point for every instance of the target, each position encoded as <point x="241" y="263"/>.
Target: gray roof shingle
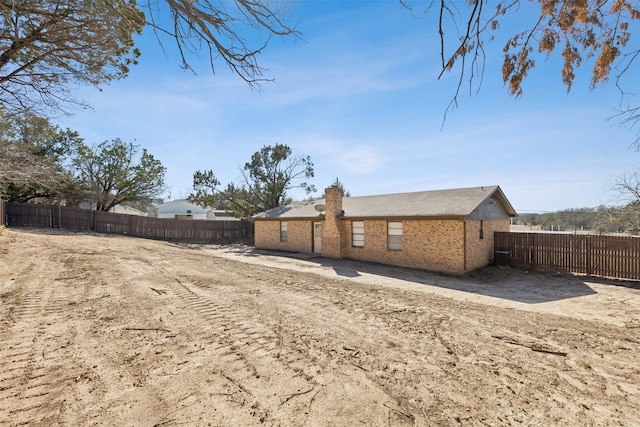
<point x="459" y="202"/>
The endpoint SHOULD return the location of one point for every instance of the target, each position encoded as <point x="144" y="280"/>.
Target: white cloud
<point x="343" y="157"/>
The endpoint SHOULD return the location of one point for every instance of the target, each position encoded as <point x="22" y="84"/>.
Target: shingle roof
<point x="459" y="202"/>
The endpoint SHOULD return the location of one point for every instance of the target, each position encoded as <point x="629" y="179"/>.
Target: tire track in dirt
<point x="45" y="299"/>
<point x="309" y="354"/>
<point x="242" y="348"/>
<point x="342" y="314"/>
<point x="33" y="361"/>
<point x="253" y="351"/>
<point x="161" y="385"/>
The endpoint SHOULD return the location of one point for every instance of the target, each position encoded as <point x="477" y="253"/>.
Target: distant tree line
<point x="601" y="219"/>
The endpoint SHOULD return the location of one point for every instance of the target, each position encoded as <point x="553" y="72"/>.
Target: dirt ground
<point x="119" y="331"/>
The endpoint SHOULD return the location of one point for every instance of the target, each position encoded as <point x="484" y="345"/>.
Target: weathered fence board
<point x="31" y="215"/>
<point x="74" y="218"/>
<point x="606" y="256"/>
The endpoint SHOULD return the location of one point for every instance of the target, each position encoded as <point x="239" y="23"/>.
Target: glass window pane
<point x="394" y="243"/>
<point x="394" y="228"/>
<point x="357" y="232"/>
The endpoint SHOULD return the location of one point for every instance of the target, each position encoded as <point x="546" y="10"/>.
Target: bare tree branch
<point x="209" y="25"/>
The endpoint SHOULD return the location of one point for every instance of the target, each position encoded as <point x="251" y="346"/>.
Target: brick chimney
<point x="332" y="230"/>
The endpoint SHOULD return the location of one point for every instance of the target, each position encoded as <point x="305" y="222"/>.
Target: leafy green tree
<point x="48" y="46"/>
<point x="112" y="173"/>
<point x="271" y="173"/>
<point x="33" y="159"/>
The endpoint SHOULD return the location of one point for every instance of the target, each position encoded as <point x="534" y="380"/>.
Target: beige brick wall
<point x="267" y="235"/>
<point x="480" y="251"/>
<point x="436" y="245"/>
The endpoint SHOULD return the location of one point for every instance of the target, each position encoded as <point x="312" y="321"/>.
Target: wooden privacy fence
<point x="606" y="256"/>
<point x="3" y="218"/>
<point x="30" y="215"/>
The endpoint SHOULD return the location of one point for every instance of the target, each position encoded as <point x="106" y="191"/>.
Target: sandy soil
<point x="102" y="330"/>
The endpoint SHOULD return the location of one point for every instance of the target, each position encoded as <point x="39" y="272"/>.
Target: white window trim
<point x="284" y="231"/>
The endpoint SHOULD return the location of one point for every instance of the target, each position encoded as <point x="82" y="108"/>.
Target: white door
<point x="317" y="237"/>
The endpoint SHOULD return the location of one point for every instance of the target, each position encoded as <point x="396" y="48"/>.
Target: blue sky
<point x="358" y="92"/>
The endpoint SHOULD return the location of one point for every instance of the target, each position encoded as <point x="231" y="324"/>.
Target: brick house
<point x="449" y="231"/>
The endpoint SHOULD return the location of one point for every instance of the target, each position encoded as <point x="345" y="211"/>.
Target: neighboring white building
<point x="182" y="209"/>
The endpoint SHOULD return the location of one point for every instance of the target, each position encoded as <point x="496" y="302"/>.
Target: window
<point x="481" y="230"/>
<point x="283" y="231"/>
<point x="394" y="236"/>
<point x="357" y="234"/>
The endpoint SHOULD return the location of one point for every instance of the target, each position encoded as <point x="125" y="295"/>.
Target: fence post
<point x="588" y="254"/>
<point x="534" y="256"/>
